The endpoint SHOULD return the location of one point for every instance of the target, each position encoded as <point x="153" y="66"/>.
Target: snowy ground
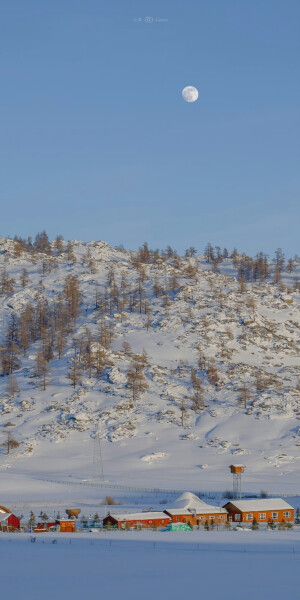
<point x="215" y="565"/>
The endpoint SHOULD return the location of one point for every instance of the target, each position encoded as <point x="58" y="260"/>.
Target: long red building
<point x="142" y="520"/>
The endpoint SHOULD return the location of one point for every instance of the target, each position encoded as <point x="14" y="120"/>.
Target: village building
<point x="45" y="526"/>
<point x="62" y="525"/>
<point x="263" y="510"/>
<point x="192" y="510"/>
<point x="8" y="521"/>
<point x="65" y="525"/>
<point x="142" y="520"/>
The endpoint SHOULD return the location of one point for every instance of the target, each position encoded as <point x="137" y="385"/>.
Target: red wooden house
<point x="142" y="520"/>
<point x="45" y="526"/>
<point x="8" y="521"/>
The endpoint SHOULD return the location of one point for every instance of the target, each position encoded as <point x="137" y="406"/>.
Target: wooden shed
<point x="262" y="510"/>
<point x="237" y="469"/>
<point x="142" y="520"/>
<point x="66" y="525"/>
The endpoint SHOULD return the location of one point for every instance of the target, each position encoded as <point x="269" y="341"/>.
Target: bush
<point x="254" y="524"/>
<point x="109" y="501"/>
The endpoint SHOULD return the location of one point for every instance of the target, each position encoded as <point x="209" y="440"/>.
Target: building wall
<point x="10" y="524"/>
<point x="217" y="518"/>
<point x="241" y="517"/>
<point x="67" y="527"/>
<point x="145" y="524"/>
<point x="44" y="526"/>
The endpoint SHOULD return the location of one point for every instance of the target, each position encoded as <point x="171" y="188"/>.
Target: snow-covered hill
<point x="214" y="363"/>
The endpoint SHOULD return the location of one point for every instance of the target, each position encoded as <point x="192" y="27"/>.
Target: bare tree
<point x="70" y="253"/>
<point x="183" y="412"/>
<point x="12" y="387"/>
<point x="126" y="348"/>
<point x="212" y="374"/>
<point x="100" y="360"/>
<point x="136" y="380"/>
<point x="72" y="296"/>
<point x="58" y="244"/>
<point x="24" y="278"/>
<point x="74" y="372"/>
<point x="10" y="443"/>
<point x="42" y="367"/>
<point x="197" y="400"/>
<point x="244" y="395"/>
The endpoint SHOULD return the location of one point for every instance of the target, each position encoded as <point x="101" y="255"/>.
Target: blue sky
<point x="96" y="141"/>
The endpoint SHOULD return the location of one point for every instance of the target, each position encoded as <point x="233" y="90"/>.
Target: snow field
<point x="130" y="566"/>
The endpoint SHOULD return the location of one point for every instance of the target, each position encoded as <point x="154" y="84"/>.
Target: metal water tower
<point x="237" y="471"/>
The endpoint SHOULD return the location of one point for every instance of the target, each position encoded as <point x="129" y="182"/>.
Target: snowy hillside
<point x="183" y="366"/>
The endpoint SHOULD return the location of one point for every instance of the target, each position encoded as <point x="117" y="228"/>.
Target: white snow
<point x="142" y="516"/>
<point x="135" y="565"/>
<point x="261" y="504"/>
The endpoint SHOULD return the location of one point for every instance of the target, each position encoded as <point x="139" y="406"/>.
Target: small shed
<point x="237" y="469"/>
<point x="66" y="525"/>
<point x="262" y="510"/>
<point x="142" y="520"/>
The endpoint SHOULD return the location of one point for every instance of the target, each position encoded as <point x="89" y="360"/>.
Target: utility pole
<point x="97" y="458"/>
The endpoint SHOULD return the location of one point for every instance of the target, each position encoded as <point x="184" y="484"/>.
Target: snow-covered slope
<point x="221" y="374"/>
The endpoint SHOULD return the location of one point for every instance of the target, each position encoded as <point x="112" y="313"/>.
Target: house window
<point x="262" y="516"/>
<point x="237" y="517"/>
<point x="274" y="515"/>
<point x="287" y="515"/>
<point x="249" y="517"/>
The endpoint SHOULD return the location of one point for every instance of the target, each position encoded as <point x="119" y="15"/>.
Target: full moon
<point x="190" y="94"/>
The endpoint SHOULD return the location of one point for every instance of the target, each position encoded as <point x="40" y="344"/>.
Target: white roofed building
<point x="188" y="508"/>
<point x="263" y="510"/>
<point x="141" y="520"/>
